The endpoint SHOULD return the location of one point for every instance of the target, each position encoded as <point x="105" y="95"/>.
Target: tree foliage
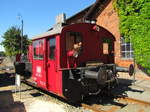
<point x="12" y="41"/>
<point x="135" y="24"/>
<point x="2" y="54"/>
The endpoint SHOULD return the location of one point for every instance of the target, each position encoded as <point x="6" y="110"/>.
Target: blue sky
<point x="38" y="15"/>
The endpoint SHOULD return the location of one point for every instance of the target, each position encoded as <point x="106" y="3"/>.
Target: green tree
<point x="2" y="54"/>
<point x="12" y="41"/>
<point x="135" y="24"/>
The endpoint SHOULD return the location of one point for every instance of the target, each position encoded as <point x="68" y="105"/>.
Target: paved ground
<point x="30" y="99"/>
<point x="34" y="101"/>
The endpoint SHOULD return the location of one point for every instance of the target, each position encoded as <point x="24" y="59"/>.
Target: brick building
<point x="103" y="13"/>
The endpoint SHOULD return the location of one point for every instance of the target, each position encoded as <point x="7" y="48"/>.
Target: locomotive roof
<point x="54" y="30"/>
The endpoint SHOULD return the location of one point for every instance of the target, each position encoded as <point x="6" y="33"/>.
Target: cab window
<point x="52" y="47"/>
<point x="38" y="49"/>
<point x="107" y="46"/>
<point x="73" y="43"/>
<point x="73" y="38"/>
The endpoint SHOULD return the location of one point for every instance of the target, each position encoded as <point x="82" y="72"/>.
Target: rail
<point x="92" y="108"/>
<point x="114" y="108"/>
<point x="7" y="68"/>
<point x="133" y="100"/>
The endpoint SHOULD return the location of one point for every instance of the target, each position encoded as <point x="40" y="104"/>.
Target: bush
<point x="135" y="24"/>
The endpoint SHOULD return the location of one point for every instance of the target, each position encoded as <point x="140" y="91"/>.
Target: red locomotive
<point x="71" y="61"/>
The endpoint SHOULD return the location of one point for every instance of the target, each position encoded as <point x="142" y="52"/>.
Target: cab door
<point x="39" y="65"/>
<point x="51" y="65"/>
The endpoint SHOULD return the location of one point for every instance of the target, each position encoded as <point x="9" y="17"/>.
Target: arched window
<point x="126" y="49"/>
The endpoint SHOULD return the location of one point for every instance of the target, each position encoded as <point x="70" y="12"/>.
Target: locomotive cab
<point x="92" y="39"/>
<point x="71" y="61"/>
<point x="86" y="53"/>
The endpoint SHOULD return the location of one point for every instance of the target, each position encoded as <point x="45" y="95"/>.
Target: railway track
<point x="121" y="104"/>
<point x="115" y="103"/>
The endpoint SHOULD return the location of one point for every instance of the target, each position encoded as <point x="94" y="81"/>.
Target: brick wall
<point x="109" y="19"/>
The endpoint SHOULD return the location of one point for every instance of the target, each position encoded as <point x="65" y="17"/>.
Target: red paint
<point x="53" y="75"/>
<point x="30" y="54"/>
<point x="39" y="67"/>
<point x="92" y="44"/>
<point x="71" y="61"/>
<point x="47" y="72"/>
<point x="18" y="57"/>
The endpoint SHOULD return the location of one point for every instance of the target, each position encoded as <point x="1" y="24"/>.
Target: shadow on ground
<point x="107" y="96"/>
<point x="7" y="79"/>
<point x="7" y="103"/>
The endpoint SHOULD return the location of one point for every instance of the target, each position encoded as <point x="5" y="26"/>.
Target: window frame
<point x="127" y="50"/>
<point x="75" y="39"/>
<point x="109" y="41"/>
<point x="49" y="48"/>
<point x="35" y="42"/>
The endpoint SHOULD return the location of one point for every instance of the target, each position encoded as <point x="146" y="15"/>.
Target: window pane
<point x="128" y="55"/>
<point x="132" y="55"/>
<point x="35" y="56"/>
<point x="131" y="48"/>
<point x="74" y="43"/>
<point x="52" y="46"/>
<point x="77" y="37"/>
<point x="126" y="49"/>
<point x="38" y="49"/>
<point x="41" y="49"/>
<point x="123" y="54"/>
<point x="123" y="48"/>
<point x="105" y="48"/>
